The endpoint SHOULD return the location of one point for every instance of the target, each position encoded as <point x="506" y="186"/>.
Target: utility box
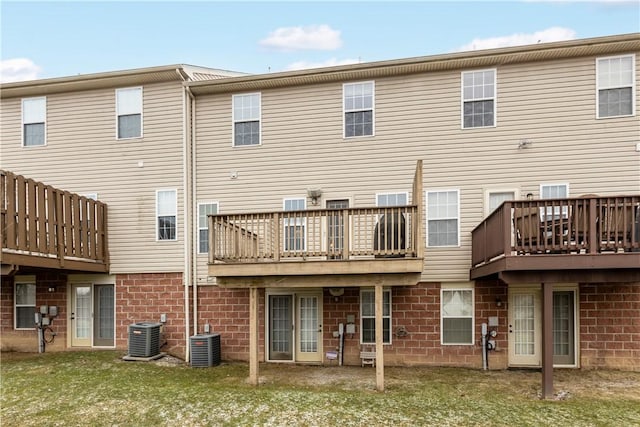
<point x="144" y="339"/>
<point x="205" y="350"/>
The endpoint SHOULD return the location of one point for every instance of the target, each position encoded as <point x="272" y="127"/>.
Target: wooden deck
<point x="44" y="227"/>
<point x="587" y="239"/>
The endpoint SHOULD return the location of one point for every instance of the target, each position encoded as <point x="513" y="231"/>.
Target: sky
<point x="56" y="39"/>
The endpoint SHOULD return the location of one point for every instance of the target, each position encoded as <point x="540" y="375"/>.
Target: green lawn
<point x="98" y="388"/>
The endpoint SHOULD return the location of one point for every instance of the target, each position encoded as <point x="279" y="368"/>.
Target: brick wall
<point x="416" y="309"/>
<point x="143" y="298"/>
<point x="27" y="340"/>
<point x="610" y="326"/>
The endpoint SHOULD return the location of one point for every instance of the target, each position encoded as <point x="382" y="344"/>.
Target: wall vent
<point x="205" y="350"/>
<point x="144" y="339"/>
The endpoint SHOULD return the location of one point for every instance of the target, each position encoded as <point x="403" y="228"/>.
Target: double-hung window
<point x="478" y="98"/>
<point x="294" y="225"/>
<point x="25" y="302"/>
<point x="368" y="316"/>
<point x="246" y="119"/>
<point x="443" y="214"/>
<point x="166" y="215"/>
<point x="615" y="85"/>
<point x="34" y="120"/>
<point x="554" y="191"/>
<point x="358" y="109"/>
<point x="456" y="316"/>
<point x="129" y="112"/>
<point x="205" y="209"/>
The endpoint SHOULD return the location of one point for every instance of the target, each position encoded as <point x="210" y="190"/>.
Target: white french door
<point x="81" y="315"/>
<point x="92" y="319"/>
<point x="525" y="327"/>
<point x="294" y="326"/>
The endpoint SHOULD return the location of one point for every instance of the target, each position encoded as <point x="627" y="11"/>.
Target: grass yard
<point x="99" y="389"/>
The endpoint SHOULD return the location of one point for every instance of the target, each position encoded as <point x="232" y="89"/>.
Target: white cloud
<point x="313" y="37"/>
<point x="18" y="69"/>
<point x="552" y="34"/>
<point x="303" y="65"/>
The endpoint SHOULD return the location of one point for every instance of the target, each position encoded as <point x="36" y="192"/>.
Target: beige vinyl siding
<point x="83" y="156"/>
<point x="418" y="117"/>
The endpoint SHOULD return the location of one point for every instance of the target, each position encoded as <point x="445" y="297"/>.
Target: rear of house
<point x="391" y="207"/>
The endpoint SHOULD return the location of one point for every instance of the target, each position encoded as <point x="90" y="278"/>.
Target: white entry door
<point x="309" y="336"/>
<point x="525" y="327"/>
<point x="81" y="315"/>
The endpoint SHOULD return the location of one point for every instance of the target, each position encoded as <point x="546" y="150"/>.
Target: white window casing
<point x="457" y="315"/>
<point x="34" y="122"/>
<point x="358" y="103"/>
<point x="615" y="86"/>
<point x="205" y="209"/>
<point x="246" y="117"/>
<point x="443" y="218"/>
<point x="478" y="98"/>
<point x="129" y="113"/>
<point x="166" y="215"/>
<point x="368" y="316"/>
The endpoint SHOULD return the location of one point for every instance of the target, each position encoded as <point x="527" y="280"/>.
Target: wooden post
<point x="547" y="340"/>
<point x="253" y="336"/>
<point x="277" y="238"/>
<point x="379" y="339"/>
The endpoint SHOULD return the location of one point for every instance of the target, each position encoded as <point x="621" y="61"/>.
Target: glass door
<point x="104" y="321"/>
<point x="335" y="228"/>
<point x="81" y="316"/>
<point x="564" y="347"/>
<point x="309" y="337"/>
<point x="525" y="327"/>
<point x="280" y="327"/>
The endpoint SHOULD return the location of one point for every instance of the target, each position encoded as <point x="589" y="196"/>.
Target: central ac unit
<point x="205" y="350"/>
<point x="144" y="339"/>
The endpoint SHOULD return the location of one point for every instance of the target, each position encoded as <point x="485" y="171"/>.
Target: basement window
<point x="25" y="303"/>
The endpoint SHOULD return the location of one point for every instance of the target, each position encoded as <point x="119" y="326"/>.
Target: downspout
<point x="194" y="209"/>
<point x="188" y="197"/>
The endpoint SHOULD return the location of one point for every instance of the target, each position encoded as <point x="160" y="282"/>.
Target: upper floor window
<point x="368" y="316"/>
<point x="554" y="191"/>
<point x="493" y="199"/>
<point x="615" y="85"/>
<point x="25" y="302"/>
<point x="129" y="112"/>
<point x="34" y="119"/>
<point x="392" y="199"/>
<point x="478" y="98"/>
<point x="246" y="119"/>
<point x="204" y="210"/>
<point x="294" y="225"/>
<point x="443" y="218"/>
<point x="358" y="109"/>
<point x="166" y="215"/>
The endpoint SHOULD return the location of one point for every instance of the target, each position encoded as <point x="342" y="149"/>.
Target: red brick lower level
<point x="608" y="320"/>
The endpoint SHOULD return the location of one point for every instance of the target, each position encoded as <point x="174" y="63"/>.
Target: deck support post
<point x="379" y="302"/>
<point x="547" y="340"/>
<point x="253" y="336"/>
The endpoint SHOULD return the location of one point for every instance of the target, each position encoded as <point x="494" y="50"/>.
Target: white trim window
<point x="129" y="113"/>
<point x="205" y="209"/>
<point x="25" y="303"/>
<point x="166" y="215"/>
<point x="34" y="122"/>
<point x="553" y="191"/>
<point x="392" y="199"/>
<point x="358" y="104"/>
<point x="368" y="316"/>
<point x="443" y="218"/>
<point x="494" y="198"/>
<point x="456" y="316"/>
<point x="478" y="99"/>
<point x="295" y="226"/>
<point x="615" y="86"/>
<point x="246" y="119"/>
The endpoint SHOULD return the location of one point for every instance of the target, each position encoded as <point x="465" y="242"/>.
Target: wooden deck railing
<point x="318" y="234"/>
<point x="586" y="225"/>
<point x="44" y="222"/>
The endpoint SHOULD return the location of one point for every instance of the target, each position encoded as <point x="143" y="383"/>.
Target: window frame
<point x="345" y="111"/>
<point x="302" y="222"/>
<point x="487" y="197"/>
<point x="555" y="211"/>
<point x="493" y="98"/>
<point x="392" y="193"/>
<point x="24" y="280"/>
<point x="389" y="316"/>
<point x="234" y="120"/>
<point x="24" y="122"/>
<point x="175" y="215"/>
<point x="633" y="85"/>
<point x="454" y="288"/>
<point x="426" y="201"/>
<point x="201" y="228"/>
<point x="122" y="89"/>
